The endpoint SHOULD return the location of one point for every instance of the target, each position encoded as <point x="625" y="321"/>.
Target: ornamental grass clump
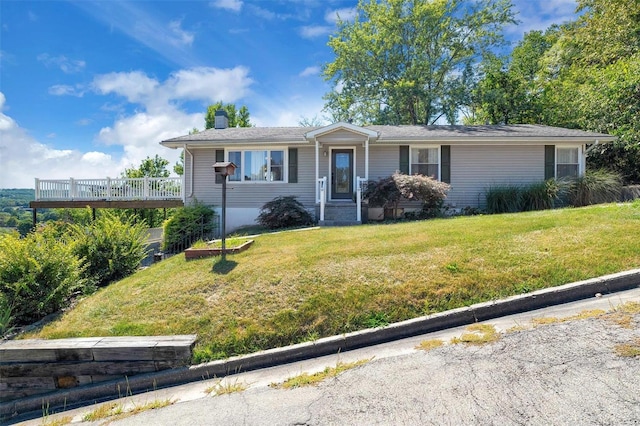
<point x="595" y="187"/>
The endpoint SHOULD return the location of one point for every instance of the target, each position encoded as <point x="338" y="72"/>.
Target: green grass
<point x="298" y="286"/>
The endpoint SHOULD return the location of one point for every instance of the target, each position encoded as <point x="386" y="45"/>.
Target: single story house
<point x="324" y="167"/>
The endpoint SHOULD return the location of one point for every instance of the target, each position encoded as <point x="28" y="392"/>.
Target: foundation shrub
<point x="284" y="212"/>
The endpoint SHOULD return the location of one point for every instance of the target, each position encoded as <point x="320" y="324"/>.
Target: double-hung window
<point x="257" y="165"/>
<point x="567" y="162"/>
<point x="425" y="161"/>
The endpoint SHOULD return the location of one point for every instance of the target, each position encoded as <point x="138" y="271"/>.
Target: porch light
<point x="224" y="169"/>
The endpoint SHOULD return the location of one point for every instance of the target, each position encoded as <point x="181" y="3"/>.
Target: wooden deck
<point x="39" y="367"/>
<point x="108" y="193"/>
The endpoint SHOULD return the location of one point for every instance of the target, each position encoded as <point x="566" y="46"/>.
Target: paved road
<point x="563" y="374"/>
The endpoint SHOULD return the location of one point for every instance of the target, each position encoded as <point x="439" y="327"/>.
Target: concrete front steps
<point x="340" y="214"/>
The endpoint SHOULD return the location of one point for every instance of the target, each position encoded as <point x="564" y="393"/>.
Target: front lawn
<point x="297" y="286"/>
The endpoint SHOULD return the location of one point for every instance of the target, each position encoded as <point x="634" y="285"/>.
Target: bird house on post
<point x="224" y="169"/>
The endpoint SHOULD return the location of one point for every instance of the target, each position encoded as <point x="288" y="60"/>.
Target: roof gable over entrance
<point x="341" y="131"/>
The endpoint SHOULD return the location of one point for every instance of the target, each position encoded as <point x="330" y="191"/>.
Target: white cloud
<point x="66" y="90"/>
<point x="24" y="158"/>
<point x="181" y="36"/>
<point x="158" y="116"/>
<point x="313" y="31"/>
<point x="345" y="14"/>
<point x="210" y="84"/>
<point x="68" y="66"/>
<point x="161" y="118"/>
<point x="96" y="158"/>
<point x="309" y="71"/>
<point x="233" y="5"/>
<point x="144" y="25"/>
<point x="136" y="86"/>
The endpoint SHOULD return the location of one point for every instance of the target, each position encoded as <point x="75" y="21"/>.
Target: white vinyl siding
<point x="475" y="168"/>
<point x="251" y="194"/>
<point x="567" y="162"/>
<point x="383" y="161"/>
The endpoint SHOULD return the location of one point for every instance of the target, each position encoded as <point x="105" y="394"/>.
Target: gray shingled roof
<point x="390" y="133"/>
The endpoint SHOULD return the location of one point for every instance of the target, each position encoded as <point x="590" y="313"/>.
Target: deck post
<point x="146" y="187"/>
<point x="37" y="189"/>
<point x="72" y="188"/>
<point x="35" y="217"/>
<point x="108" y="189"/>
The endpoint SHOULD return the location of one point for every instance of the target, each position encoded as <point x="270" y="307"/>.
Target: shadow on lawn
<point x="223" y="266"/>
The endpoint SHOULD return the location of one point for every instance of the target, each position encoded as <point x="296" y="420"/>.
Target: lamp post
<point x="224" y="169"/>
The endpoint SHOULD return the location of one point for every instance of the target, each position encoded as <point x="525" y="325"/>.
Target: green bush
<point x="382" y="193"/>
<point x="110" y="248"/>
<point x="389" y="191"/>
<point x="421" y="188"/>
<point x="595" y="187"/>
<point x="188" y="225"/>
<point x="38" y="274"/>
<point x="284" y="212"/>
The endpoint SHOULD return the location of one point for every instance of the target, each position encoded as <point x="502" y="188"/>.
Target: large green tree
<point x="149" y="167"/>
<point x="510" y="89"/>
<point x="237" y="117"/>
<point x="593" y="81"/>
<point x="411" y="61"/>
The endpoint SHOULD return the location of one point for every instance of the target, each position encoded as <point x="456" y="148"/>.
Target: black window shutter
<point x="219" y="159"/>
<point x="445" y="166"/>
<point x="549" y="161"/>
<point x="293" y="165"/>
<point x="404" y="159"/>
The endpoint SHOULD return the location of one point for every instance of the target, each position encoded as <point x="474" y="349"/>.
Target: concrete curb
<point x="330" y="345"/>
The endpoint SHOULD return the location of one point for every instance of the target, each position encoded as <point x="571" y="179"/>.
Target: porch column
<point x="366" y="159"/>
<point x="317" y="169"/>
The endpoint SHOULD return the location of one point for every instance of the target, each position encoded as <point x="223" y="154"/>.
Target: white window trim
<point x="412" y="147"/>
<point x="581" y="158"/>
<point x="338" y="147"/>
<point x="285" y="164"/>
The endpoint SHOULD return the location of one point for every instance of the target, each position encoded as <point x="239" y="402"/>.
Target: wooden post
<point x="35" y="217"/>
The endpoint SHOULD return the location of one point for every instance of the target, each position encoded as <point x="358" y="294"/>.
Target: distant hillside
<point x="16" y="197"/>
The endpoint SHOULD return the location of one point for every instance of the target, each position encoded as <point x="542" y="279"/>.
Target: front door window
<point x="342" y="174"/>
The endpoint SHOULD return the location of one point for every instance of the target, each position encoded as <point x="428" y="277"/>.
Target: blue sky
<point x="88" y="88"/>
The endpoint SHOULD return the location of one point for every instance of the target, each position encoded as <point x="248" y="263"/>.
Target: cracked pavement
<point x="563" y="373"/>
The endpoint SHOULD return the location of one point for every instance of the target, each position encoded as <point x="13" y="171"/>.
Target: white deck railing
<point x="109" y="189"/>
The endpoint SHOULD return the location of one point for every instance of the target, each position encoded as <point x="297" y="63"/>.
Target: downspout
<point x="190" y="174"/>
